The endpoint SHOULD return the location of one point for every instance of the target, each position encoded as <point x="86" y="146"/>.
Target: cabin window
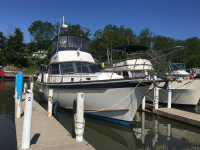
<point x="67" y="68"/>
<point x="78" y="67"/>
<point x="75" y="42"/>
<point x="86" y="44"/>
<point x="62" y="41"/>
<point x="82" y="67"/>
<point x="55" y="69"/>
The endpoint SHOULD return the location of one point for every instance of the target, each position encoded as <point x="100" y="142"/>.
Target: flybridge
<point x="69" y="42"/>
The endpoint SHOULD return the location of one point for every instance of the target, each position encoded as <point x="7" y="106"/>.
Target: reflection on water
<point x="150" y="131"/>
<point x="7" y="122"/>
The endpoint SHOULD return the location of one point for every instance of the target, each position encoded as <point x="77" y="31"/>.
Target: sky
<point x="178" y="19"/>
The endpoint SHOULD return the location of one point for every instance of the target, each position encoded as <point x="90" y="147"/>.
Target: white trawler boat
<point x="72" y="69"/>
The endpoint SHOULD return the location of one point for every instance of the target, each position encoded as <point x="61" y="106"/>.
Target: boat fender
<point x="55" y="106"/>
<point x="41" y="97"/>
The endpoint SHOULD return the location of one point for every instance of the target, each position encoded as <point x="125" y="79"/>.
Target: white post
<point x="143" y="103"/>
<point x="169" y="96"/>
<point x="27" y="121"/>
<point x="80" y="117"/>
<point x="25" y="87"/>
<point x="168" y="131"/>
<point x="50" y="103"/>
<point x="143" y="128"/>
<point x="18" y="106"/>
<point x="156" y="96"/>
<point x="31" y="87"/>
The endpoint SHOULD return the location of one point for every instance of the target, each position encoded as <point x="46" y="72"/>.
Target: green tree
<point x="72" y="29"/>
<point x="43" y="33"/>
<point x="145" y="37"/>
<point x="2" y="41"/>
<point x="110" y="36"/>
<point x="15" y="47"/>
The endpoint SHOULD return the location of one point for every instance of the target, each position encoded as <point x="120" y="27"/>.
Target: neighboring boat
<point x="185" y="91"/>
<point x="129" y="67"/>
<point x="3" y="76"/>
<point x="72" y="69"/>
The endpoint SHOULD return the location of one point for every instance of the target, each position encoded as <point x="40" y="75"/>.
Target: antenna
<point x="64" y="25"/>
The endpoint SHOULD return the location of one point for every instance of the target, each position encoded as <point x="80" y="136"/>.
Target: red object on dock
<point x="191" y="76"/>
<point x="2" y="73"/>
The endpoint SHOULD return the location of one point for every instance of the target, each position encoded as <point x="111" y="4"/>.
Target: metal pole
<point x="50" y="102"/>
<point x="80" y="117"/>
<point x="19" y="94"/>
<point x="143" y="103"/>
<point x="25" y="87"/>
<point x="169" y="96"/>
<point x="27" y="121"/>
<point x="156" y="97"/>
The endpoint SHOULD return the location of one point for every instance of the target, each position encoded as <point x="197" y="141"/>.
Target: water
<point x="156" y="131"/>
<point x="7" y="118"/>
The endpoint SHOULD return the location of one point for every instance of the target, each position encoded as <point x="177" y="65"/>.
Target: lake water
<point x="148" y="131"/>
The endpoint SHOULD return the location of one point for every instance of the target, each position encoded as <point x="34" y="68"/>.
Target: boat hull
<point x="120" y="104"/>
<point x="185" y="93"/>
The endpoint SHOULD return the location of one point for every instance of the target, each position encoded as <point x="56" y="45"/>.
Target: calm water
<point x="104" y="135"/>
<point x="7" y="118"/>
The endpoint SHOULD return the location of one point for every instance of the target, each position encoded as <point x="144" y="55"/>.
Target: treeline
<point x="13" y="50"/>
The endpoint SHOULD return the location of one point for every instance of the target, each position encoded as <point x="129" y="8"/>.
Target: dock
<point x="46" y="132"/>
<point x="180" y="115"/>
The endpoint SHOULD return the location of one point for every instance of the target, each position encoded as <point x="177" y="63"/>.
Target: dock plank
<point x="47" y="133"/>
<point x="180" y="115"/>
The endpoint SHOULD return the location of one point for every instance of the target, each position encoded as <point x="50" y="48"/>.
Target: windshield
<point x="178" y="66"/>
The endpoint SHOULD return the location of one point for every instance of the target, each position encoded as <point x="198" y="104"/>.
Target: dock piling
<point x="27" y="121"/>
<point x="31" y="87"/>
<point x="19" y="94"/>
<point x="80" y="122"/>
<point x="156" y="97"/>
<point x="50" y="102"/>
<point x="143" y="102"/>
<point x="25" y="87"/>
<point x="169" y="96"/>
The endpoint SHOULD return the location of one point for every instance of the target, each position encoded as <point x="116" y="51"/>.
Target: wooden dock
<point x="180" y="115"/>
<point x="47" y="133"/>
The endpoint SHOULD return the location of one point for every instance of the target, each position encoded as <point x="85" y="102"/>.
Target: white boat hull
<point x="115" y="103"/>
<point x="183" y="93"/>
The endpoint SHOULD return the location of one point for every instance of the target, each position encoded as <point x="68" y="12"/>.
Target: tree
<point x="72" y="29"/>
<point x="43" y="33"/>
<point x="145" y="37"/>
<point x="110" y="36"/>
<point x="2" y="41"/>
<point x="15" y="47"/>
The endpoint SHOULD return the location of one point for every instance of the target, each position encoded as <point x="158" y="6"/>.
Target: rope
<point x="77" y="128"/>
<point x="121" y="100"/>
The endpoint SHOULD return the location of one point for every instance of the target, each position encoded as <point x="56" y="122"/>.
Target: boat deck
<point x="47" y="133"/>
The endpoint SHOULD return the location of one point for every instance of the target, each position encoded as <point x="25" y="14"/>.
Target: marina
<point x="74" y="81"/>
<point x="110" y="135"/>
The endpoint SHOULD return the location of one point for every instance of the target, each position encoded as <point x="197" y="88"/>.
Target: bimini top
<point x="68" y="41"/>
<point x="130" y="48"/>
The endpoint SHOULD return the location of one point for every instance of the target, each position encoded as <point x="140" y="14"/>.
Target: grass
<point x="31" y="70"/>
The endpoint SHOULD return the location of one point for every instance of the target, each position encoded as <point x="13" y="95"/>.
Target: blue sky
<point x="179" y="19"/>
